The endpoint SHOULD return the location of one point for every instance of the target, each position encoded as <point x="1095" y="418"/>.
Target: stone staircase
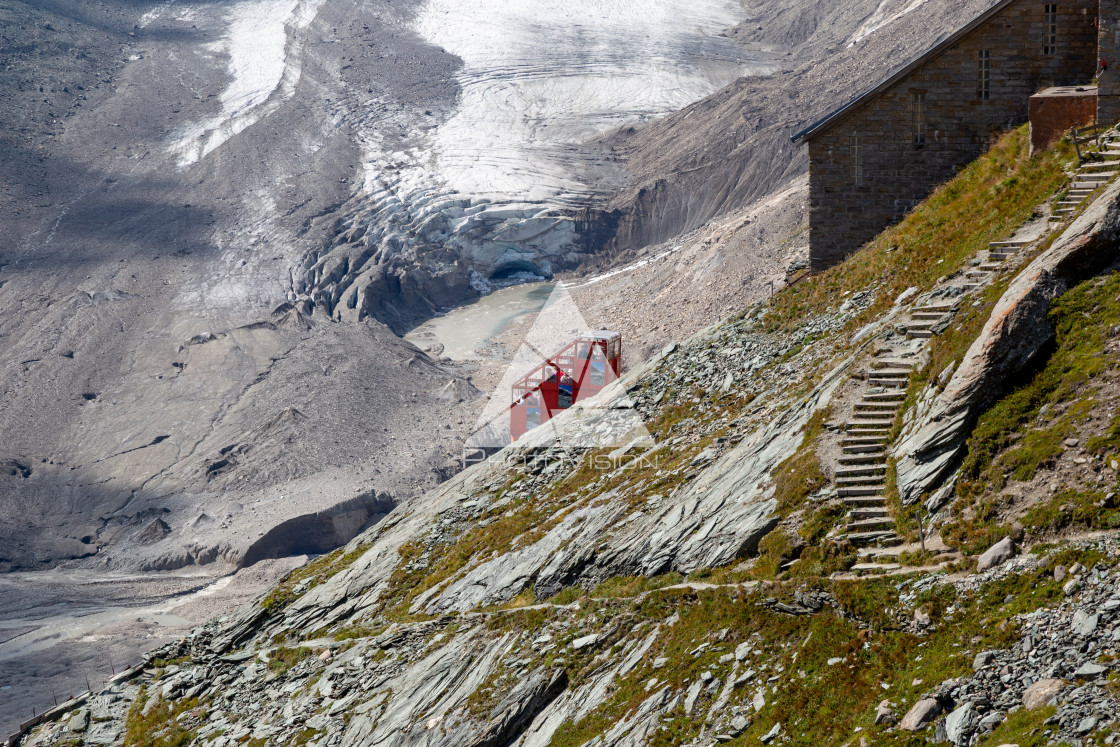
<point x="861" y="475"/>
<point x="1097" y="168"/>
<point x="860" y="480"/>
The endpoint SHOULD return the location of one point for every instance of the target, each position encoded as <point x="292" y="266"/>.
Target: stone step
<point x="867" y="422"/>
<point x="855" y="491"/>
<point x="898" y="384"/>
<point x="871" y="569"/>
<point x="865" y="524"/>
<point x="864" y="444"/>
<point x="892" y="364"/>
<point x="874" y="410"/>
<point x="1064" y="211"/>
<point x="880" y="537"/>
<point x="989" y="266"/>
<point x="925" y="334"/>
<point x="889" y="373"/>
<point x="1010" y="243"/>
<point x="930" y="315"/>
<point x="869" y="457"/>
<point x="976" y="272"/>
<point x="945" y="308"/>
<point x="863" y="428"/>
<point x="1068" y="203"/>
<point x="865" y="500"/>
<point x="884" y="396"/>
<point x="861" y="441"/>
<point x="866" y="449"/>
<point x="862" y="469"/>
<point x="861" y="514"/>
<point x="1099" y="166"/>
<point x="865" y="480"/>
<point x="1000" y="256"/>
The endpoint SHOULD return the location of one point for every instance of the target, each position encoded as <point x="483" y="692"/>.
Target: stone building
<point x="874" y="158"/>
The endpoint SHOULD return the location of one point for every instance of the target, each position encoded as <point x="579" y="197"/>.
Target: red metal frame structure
<point x="579" y="370"/>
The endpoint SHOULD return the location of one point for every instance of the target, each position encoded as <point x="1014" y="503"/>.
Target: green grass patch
<point x="316" y="572"/>
<point x="823" y="674"/>
<point x="160" y="726"/>
<point x="1082" y="319"/>
<point x="1073" y="509"/>
<point x="801" y="475"/>
<point x="1024" y="728"/>
<point x="632" y="586"/>
<point x="283" y="659"/>
<point x="1024" y="431"/>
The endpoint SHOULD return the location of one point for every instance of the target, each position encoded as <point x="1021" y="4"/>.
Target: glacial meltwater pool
<point x="464" y="331"/>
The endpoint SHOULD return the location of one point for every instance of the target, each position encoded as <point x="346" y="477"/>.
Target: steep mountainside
<point x="775" y="552"/>
<point x="217" y="215"/>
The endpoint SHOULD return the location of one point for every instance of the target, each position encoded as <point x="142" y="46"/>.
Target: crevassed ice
<point x="263" y="68"/>
<point x="543" y="76"/>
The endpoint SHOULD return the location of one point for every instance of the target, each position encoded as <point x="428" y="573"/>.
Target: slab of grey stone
<point x="920" y="714"/>
<point x="995" y="555"/>
<point x="1042" y="693"/>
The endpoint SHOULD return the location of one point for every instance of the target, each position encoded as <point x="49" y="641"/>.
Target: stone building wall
<point x="896" y="173"/>
<point x="1108" y="86"/>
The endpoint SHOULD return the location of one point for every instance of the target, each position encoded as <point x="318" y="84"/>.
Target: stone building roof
<point x="839" y="115"/>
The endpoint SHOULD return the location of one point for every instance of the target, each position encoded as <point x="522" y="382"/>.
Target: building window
<point x="1050" y="28"/>
<point x="855" y="159"/>
<point x="984" y="74"/>
<point x="918" y="117"/>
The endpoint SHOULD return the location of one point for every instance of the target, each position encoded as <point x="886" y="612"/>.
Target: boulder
<point x="884" y="714"/>
<point x="1042" y="694"/>
<point x="960" y="724"/>
<point x="1089" y="671"/>
<point x="1084" y="623"/>
<point x="995" y="555"/>
<point x="920" y="714"/>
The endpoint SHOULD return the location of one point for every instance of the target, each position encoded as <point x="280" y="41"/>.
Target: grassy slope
<point x="818" y="703"/>
<point x="1021" y="437"/>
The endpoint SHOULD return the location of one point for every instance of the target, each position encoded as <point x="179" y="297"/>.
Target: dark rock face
<point x="153" y="532"/>
<point x="322" y="531"/>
